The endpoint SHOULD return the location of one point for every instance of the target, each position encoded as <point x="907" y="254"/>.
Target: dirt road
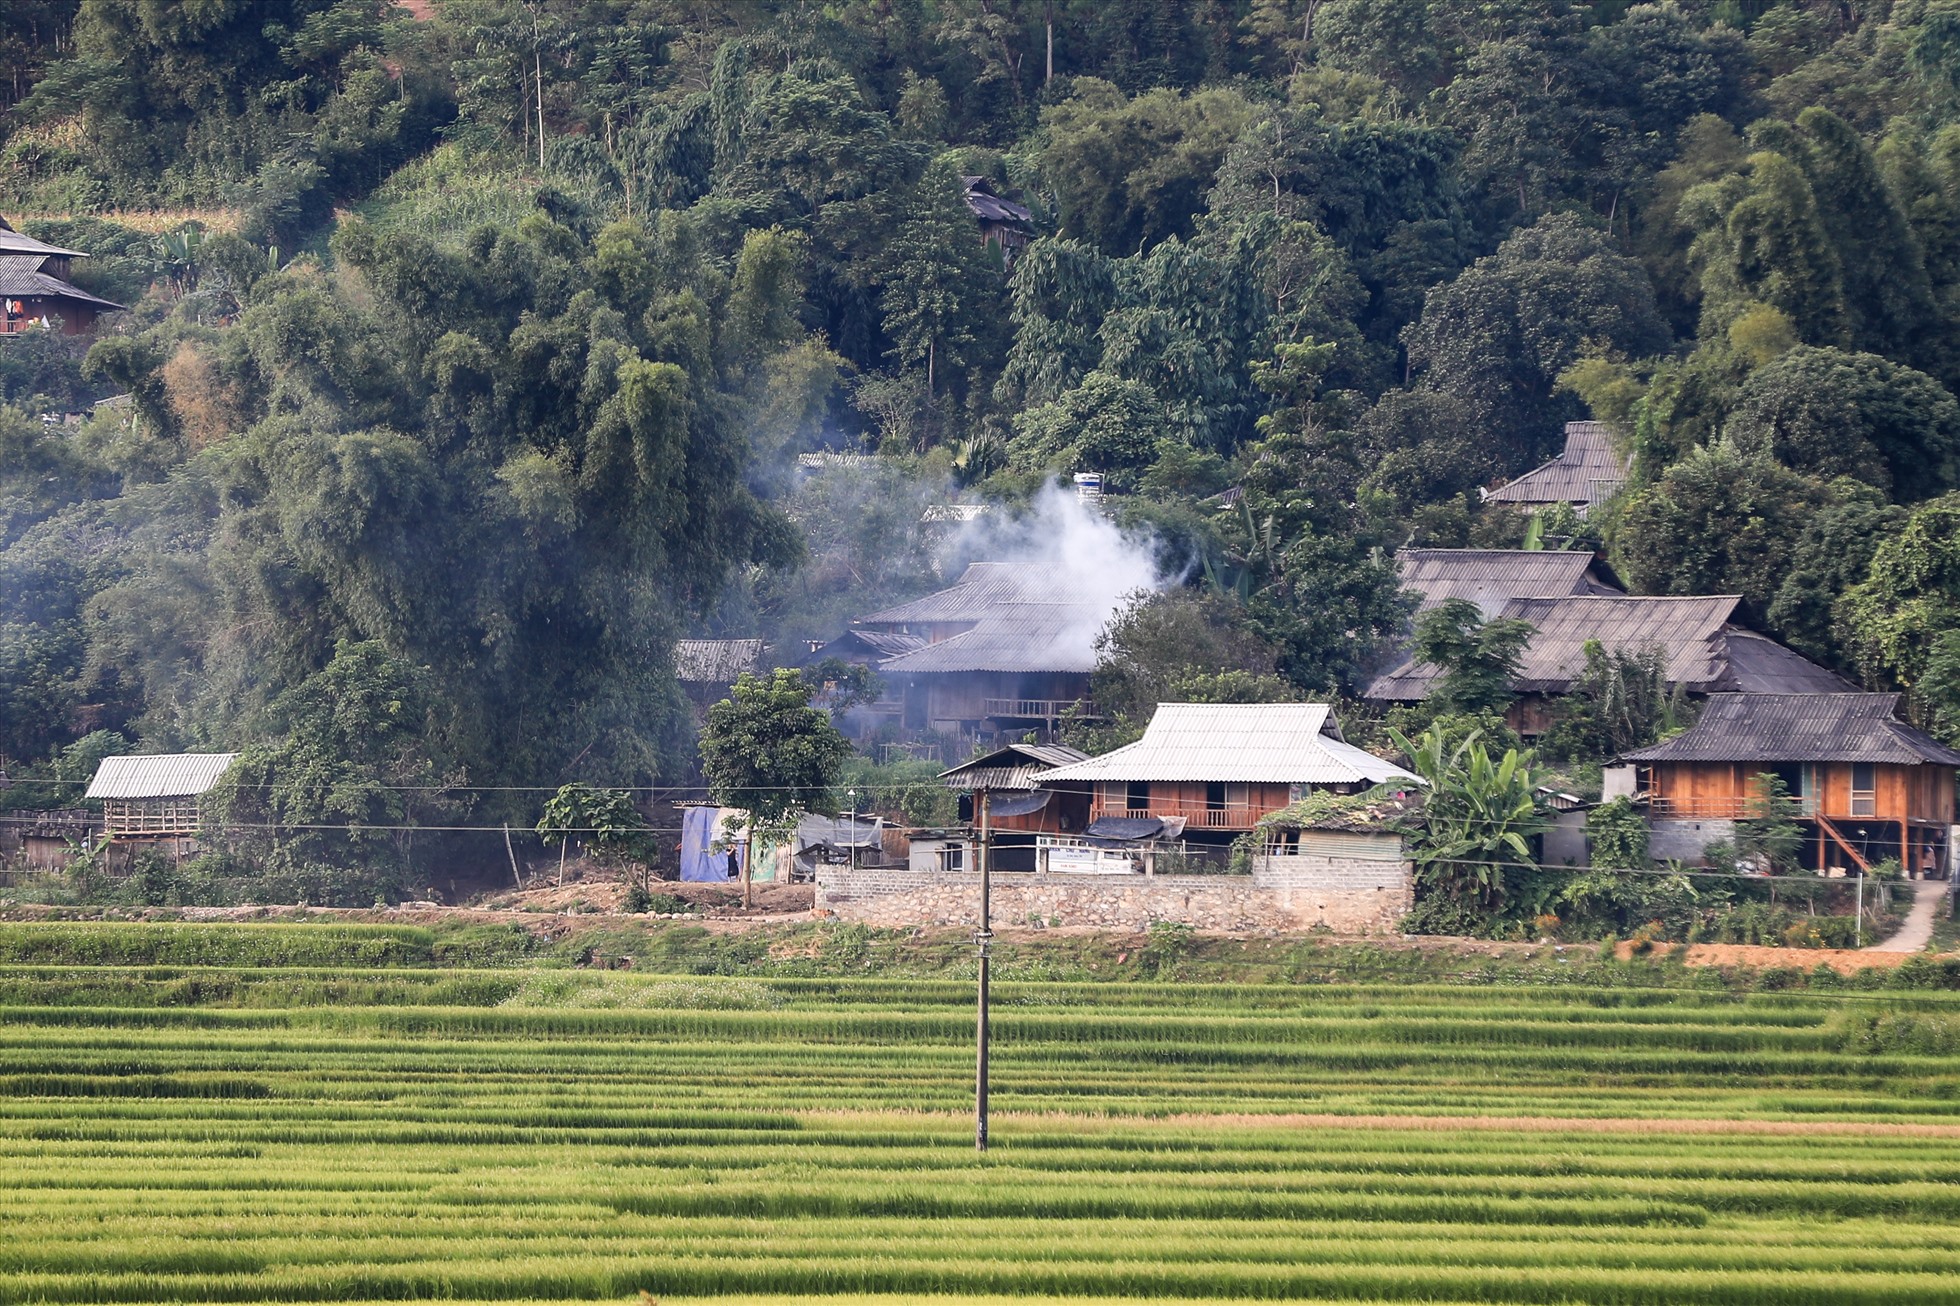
<point x="1917" y="932"/>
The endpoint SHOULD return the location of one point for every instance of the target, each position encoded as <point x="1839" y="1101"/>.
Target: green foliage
<point x="602" y="820"/>
<point x="1617" y="834"/>
<point x="356" y="766"/>
<point x="1897" y="617"/>
<point x="1770" y="837"/>
<point x="1621" y="700"/>
<point x="767" y="751"/>
<point x="1827" y="413"/>
<point x="1479" y="816"/>
<point x="1478" y="658"/>
<point x="1180" y="646"/>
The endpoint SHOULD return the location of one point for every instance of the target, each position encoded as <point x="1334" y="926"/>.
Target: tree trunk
<point x="1048" y="74"/>
<point x="537" y="55"/>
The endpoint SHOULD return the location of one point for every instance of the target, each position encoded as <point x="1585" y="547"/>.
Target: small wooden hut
<point x="155" y="798"/>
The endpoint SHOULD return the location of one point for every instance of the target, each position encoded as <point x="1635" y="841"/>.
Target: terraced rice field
<point x="204" y="1134"/>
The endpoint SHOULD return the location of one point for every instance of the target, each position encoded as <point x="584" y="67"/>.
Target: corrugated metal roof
<point x="1773" y="728"/>
<point x="1247" y="743"/>
<point x="13" y="242"/>
<point x="1758" y="664"/>
<point x="985" y="587"/>
<point x="715" y="661"/>
<point x="1704" y="653"/>
<point x="1014" y="637"/>
<point x="22" y="276"/>
<point x="1491" y="578"/>
<point x="1013" y="767"/>
<point x="158" y="775"/>
<point x="1588" y="472"/>
<point x="989" y="207"/>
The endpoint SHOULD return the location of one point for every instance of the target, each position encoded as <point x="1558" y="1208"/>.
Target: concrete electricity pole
<point x="983" y="939"/>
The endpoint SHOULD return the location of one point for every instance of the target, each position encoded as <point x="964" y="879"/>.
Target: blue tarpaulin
<point x="701" y="862"/>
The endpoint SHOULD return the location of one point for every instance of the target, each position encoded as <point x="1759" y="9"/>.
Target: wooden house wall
<point x="1066" y="813"/>
<point x="1245" y="804"/>
<point x="1725" y="790"/>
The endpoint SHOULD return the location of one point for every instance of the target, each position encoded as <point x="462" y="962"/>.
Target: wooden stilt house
<point x="1867" y="785"/>
<point x="155" y="798"/>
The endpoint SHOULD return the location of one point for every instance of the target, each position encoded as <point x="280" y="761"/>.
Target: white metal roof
<point x="1245" y="743"/>
<point x="158" y="775"/>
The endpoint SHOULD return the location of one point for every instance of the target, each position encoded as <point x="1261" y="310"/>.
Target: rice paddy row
<point x="353" y="1133"/>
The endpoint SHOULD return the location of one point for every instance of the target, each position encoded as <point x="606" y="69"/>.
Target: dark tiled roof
<point x="1490" y="578"/>
<point x="1704" y="653"/>
<point x="21" y="276"/>
<point x="982" y="590"/>
<point x="989" y="207"/>
<point x="1589" y="471"/>
<point x="1800" y="728"/>
<point x="1015" y="637"/>
<point x="715" y="661"/>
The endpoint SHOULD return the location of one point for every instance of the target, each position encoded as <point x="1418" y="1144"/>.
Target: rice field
<point x="388" y="1129"/>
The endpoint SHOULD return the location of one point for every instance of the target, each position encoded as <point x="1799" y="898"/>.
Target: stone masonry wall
<point x="1283" y="894"/>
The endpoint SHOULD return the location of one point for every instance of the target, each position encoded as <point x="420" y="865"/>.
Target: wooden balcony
<point x="1197" y="816"/>
<point x="1042" y="709"/>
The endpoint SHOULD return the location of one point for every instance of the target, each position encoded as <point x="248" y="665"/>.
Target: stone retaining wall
<point x="1283" y="894"/>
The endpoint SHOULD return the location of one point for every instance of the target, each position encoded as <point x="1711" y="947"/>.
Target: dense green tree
<point x="1833" y="553"/>
<point x="1181" y="645"/>
<point x="1500" y="334"/>
<point x="1888" y="298"/>
<point x="1910" y="599"/>
<point x="768" y="752"/>
<point x="1761" y="240"/>
<point x="1828" y="413"/>
<point x="1717" y="522"/>
<point x="356" y="760"/>
<point x="1130" y="173"/>
<point x="1478" y="657"/>
<point x="942" y="285"/>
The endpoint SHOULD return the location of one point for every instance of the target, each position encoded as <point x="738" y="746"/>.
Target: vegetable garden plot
<point x="809" y="1140"/>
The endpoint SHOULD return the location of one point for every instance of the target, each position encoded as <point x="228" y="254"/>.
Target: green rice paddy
<point x="388" y="1129"/>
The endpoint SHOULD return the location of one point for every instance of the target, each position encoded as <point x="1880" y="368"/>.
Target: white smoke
<point x="1065" y="547"/>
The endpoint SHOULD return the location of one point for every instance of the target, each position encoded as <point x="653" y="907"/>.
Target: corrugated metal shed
<point x="1491" y="578"/>
<point x="1800" y="728"/>
<point x="158" y="775"/>
<point x="1015" y="767"/>
<point x="1704" y="653"/>
<point x="1590" y="471"/>
<point x="715" y="661"/>
<point x="1248" y="743"/>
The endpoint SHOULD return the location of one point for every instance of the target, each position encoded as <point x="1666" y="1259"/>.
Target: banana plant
<point x="1479" y="815"/>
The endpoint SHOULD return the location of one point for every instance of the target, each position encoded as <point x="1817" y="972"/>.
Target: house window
<point x="1864" y="789"/>
<point x="1137" y="798"/>
<point x="1214" y="798"/>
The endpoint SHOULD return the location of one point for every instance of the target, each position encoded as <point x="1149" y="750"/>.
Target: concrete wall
<point x="1348" y="896"/>
<point x="1678" y="840"/>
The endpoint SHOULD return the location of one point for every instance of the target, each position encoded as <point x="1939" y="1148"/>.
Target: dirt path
<point x="1917" y="932"/>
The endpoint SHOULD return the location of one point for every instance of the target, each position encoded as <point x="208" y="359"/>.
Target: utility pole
<point x="1861" y="910"/>
<point x="983" y="939"/>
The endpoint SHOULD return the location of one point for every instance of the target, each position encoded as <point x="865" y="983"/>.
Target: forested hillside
<point x="471" y="342"/>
